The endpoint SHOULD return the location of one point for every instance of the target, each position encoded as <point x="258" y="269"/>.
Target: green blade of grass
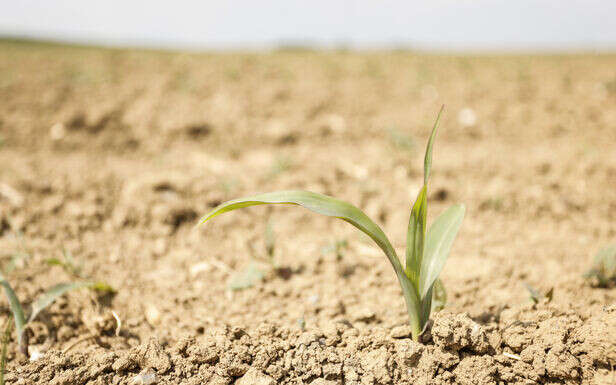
<point x="326" y="205"/>
<point x="246" y="278"/>
<point x="318" y="203"/>
<point x="60" y="289"/>
<point x="439" y="240"/>
<point x="426" y="306"/>
<point x="439" y="296"/>
<point x="16" y="308"/>
<point x="606" y="260"/>
<point x="428" y="157"/>
<point x="416" y="236"/>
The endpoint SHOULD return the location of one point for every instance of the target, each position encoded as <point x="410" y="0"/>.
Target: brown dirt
<point x="112" y="155"/>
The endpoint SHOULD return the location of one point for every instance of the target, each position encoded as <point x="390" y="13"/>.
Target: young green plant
<point x="604" y="267"/>
<point x="46" y="299"/>
<point x="426" y="251"/>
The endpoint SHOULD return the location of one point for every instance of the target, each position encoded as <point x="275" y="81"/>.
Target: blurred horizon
<point x="440" y="25"/>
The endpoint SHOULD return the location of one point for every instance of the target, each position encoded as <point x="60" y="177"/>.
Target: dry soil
<point x="111" y="156"/>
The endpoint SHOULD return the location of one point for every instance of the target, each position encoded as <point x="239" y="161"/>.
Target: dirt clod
<point x="459" y="332"/>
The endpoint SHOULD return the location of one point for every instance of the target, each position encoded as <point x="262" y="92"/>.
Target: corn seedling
<point x="74" y="269"/>
<point x="536" y="296"/>
<point x="42" y="302"/>
<point x="67" y="263"/>
<point x="18" y="258"/>
<point x="255" y="272"/>
<point x="604" y="267"/>
<point x="280" y="165"/>
<point x="336" y="247"/>
<point x="400" y="140"/>
<point x="426" y="253"/>
<point x="247" y="278"/>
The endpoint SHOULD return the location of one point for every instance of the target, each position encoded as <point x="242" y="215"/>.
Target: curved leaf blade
<point x="439" y="240"/>
<point x="246" y="278"/>
<point x="54" y="293"/>
<point x="16" y="308"/>
<point x="428" y="156"/>
<point x="318" y="203"/>
<point x="329" y="206"/>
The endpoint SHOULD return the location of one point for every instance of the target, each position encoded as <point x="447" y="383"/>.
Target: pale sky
<point x="533" y="25"/>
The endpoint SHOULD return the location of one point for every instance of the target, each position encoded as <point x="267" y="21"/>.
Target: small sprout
<point x="279" y="166"/>
<point x="67" y="263"/>
<point x="39" y="305"/>
<point x="73" y="268"/>
<point x="426" y="251"/>
<point x="400" y="140"/>
<point x="537" y="296"/>
<point x="246" y="278"/>
<point x="604" y="267"/>
<point x="337" y="248"/>
<point x="19" y="257"/>
<point x="249" y="274"/>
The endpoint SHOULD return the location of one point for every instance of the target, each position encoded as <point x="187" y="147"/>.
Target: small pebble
<point x="313" y="299"/>
<point x="199" y="268"/>
<point x="467" y="117"/>
<point x="152" y="315"/>
<point x="57" y="131"/>
<point x="145" y="378"/>
<point x="36" y="354"/>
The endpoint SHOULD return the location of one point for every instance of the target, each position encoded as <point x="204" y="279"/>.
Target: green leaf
<point x="439" y="240"/>
<point x="416" y="237"/>
<point x="247" y="278"/>
<point x="428" y="156"/>
<point x="318" y="203"/>
<point x="54" y="293"/>
<point x="326" y="205"/>
<point x="426" y="306"/>
<point x="534" y="294"/>
<point x="606" y="259"/>
<point x="18" y="312"/>
<point x="103" y="287"/>
<point x="604" y="266"/>
<point x="434" y="300"/>
<point x="439" y="296"/>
